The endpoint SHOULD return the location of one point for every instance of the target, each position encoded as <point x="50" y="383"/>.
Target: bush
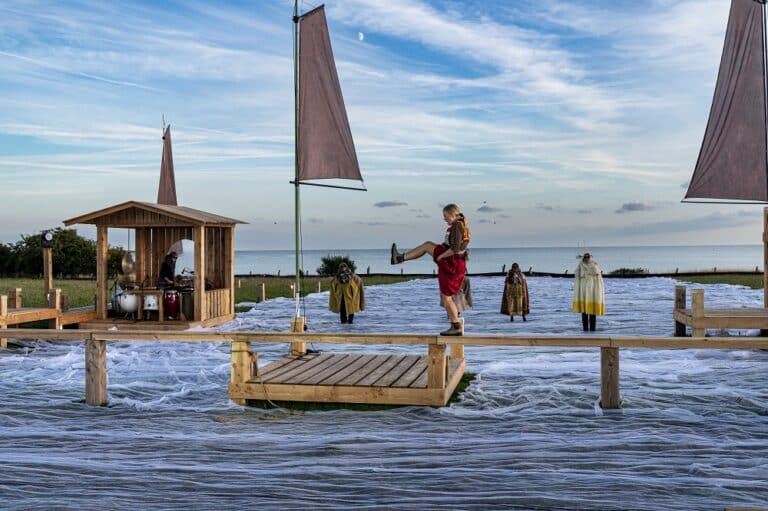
<point x="629" y="271"/>
<point x="331" y="264"/>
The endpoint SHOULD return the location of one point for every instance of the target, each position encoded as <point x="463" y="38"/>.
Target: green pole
<point x="297" y="198"/>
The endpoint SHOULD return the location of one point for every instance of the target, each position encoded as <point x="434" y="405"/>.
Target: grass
<point x="298" y="406"/>
<point x="82" y="292"/>
<point x="752" y="281"/>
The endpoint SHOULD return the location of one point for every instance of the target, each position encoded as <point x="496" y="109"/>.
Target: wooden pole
<point x="680" y="299"/>
<point x="54" y="302"/>
<point x="609" y="378"/>
<point x="200" y="306"/>
<point x="457" y="350"/>
<point x="697" y="309"/>
<point x="293" y="290"/>
<point x="242" y="368"/>
<point x="14" y="298"/>
<point x="229" y="242"/>
<point x="101" y="271"/>
<point x="95" y="373"/>
<point x="263" y="292"/>
<point x="3" y="312"/>
<point x="436" y="366"/>
<point x="48" y="269"/>
<point x="298" y="348"/>
<point x="318" y="287"/>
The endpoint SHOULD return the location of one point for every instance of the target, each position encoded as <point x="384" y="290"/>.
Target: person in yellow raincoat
<point x="347" y="295"/>
<point x="588" y="292"/>
<point x="514" y="301"/>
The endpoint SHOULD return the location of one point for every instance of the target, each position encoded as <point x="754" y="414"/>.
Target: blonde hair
<point x="453" y="209"/>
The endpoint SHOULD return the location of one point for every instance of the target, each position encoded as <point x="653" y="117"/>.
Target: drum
<point x="128" y="303"/>
<point x="150" y="303"/>
<point x="171" y="302"/>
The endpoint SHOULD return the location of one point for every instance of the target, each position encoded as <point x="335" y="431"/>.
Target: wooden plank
<point x="381" y="370"/>
<point x="539" y="341"/>
<point x="292" y="363"/>
<point x="102" y="271"/>
<point x="679" y="304"/>
<point x="340" y="365"/>
<point x="14" y="298"/>
<point x="299" y="371"/>
<point x="436" y="369"/>
<point x="200" y="307"/>
<point x="96" y="373"/>
<point x="697" y="306"/>
<point x="417" y="369"/>
<point x="355" y="368"/>
<point x="609" y="378"/>
<point x="47" y="270"/>
<point x="274" y="365"/>
<point x="18" y="317"/>
<point x="364" y="371"/>
<point x="404" y="364"/>
<point x="298" y="347"/>
<point x="3" y="325"/>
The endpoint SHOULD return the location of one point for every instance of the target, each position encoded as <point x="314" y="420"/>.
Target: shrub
<point x="629" y="271"/>
<point x="330" y="265"/>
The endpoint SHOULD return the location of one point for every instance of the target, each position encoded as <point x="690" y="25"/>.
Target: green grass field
<point x="82" y="292"/>
<point x="753" y="281"/>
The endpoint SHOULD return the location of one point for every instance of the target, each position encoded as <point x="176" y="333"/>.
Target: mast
<point x="297" y="194"/>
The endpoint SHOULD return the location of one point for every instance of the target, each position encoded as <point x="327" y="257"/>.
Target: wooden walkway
<point x="350" y="378"/>
<point x="699" y="318"/>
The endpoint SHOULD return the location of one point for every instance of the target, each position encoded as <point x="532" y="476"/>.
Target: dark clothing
<point x="167" y="271"/>
<point x="588" y="321"/>
<point x="343" y="316"/>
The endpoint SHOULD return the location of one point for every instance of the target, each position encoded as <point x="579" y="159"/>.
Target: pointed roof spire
<point x="166" y="191"/>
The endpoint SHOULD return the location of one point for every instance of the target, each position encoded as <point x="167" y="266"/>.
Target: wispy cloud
<point x="629" y="207"/>
<point x="488" y="209"/>
<point x="389" y="204"/>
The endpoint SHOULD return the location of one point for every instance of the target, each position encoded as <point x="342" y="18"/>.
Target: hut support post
<point x="298" y="348"/>
<point x="101" y="271"/>
<point x="229" y="266"/>
<point x="244" y="365"/>
<point x="95" y="372"/>
<point x="679" y="304"/>
<point x="200" y="305"/>
<point x="697" y="309"/>
<point x="54" y="302"/>
<point x="436" y="367"/>
<point x="609" y="378"/>
<point x="14" y="298"/>
<point x="3" y="312"/>
<point x="48" y="269"/>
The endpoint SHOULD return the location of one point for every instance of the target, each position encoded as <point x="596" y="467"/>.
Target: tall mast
<point x="765" y="86"/>
<point x="297" y="198"/>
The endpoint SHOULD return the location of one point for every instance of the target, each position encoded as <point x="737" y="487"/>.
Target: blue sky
<point x="549" y="122"/>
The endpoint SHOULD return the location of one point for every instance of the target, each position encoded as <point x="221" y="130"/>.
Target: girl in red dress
<point x="451" y="260"/>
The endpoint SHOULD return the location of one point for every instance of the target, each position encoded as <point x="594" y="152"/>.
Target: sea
<point x="527" y="434"/>
<point x="655" y="259"/>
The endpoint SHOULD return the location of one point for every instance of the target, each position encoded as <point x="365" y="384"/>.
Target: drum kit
<point x="128" y="303"/>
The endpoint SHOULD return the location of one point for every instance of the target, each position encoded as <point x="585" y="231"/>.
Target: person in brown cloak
<point x="514" y="301"/>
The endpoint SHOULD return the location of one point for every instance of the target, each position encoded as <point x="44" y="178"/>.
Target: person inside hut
<point x="347" y="295"/>
<point x="588" y="292"/>
<point x="451" y="259"/>
<point x="167" y="277"/>
<point x="514" y="301"/>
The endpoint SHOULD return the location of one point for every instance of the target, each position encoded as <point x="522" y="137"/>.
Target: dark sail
<point x="166" y="191"/>
<point x="325" y="148"/>
<point x="733" y="162"/>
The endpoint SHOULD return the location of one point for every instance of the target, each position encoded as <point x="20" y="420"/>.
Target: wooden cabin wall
<point x="215" y="239"/>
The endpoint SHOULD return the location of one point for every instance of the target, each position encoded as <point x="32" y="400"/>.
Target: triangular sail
<point x="166" y="192"/>
<point x="733" y="161"/>
<point x="325" y="147"/>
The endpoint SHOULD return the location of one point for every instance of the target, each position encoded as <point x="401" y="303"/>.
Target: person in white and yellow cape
<point x="588" y="292"/>
<point x="347" y="295"/>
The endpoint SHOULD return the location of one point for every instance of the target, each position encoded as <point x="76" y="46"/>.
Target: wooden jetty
<point x="699" y="318"/>
<point x="353" y="378"/>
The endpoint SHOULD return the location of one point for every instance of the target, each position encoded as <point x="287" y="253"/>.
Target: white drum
<point x="128" y="303"/>
<point x="150" y="303"/>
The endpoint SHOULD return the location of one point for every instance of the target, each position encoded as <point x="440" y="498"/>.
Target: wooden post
<point x="609" y="378"/>
<point x="3" y="313"/>
<point x="242" y="369"/>
<point x="200" y="306"/>
<point x="54" y="302"/>
<point x="319" y="289"/>
<point x="457" y="350"/>
<point x="263" y="292"/>
<point x="298" y="348"/>
<point x="95" y="373"/>
<point x="140" y="240"/>
<point x="14" y="298"/>
<point x="680" y="300"/>
<point x="293" y="290"/>
<point x="697" y="307"/>
<point x="436" y="367"/>
<point x="48" y="269"/>
<point x="101" y="271"/>
<point x="229" y="242"/>
<point x="239" y="284"/>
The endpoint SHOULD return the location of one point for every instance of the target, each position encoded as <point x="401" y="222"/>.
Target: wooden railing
<point x="218" y="303"/>
<point x="243" y="358"/>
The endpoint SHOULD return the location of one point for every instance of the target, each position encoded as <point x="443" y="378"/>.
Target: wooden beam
<point x="47" y="269"/>
<point x="697" y="309"/>
<point x="102" y="278"/>
<point x="229" y="267"/>
<point x="241" y="368"/>
<point x="609" y="378"/>
<point x="14" y="298"/>
<point x="200" y="306"/>
<point x="436" y="367"/>
<point x="3" y="312"/>
<point x="457" y="350"/>
<point x="298" y="347"/>
<point x="141" y="269"/>
<point x="680" y="303"/>
<point x="54" y="302"/>
<point x="263" y="292"/>
<point x="96" y="373"/>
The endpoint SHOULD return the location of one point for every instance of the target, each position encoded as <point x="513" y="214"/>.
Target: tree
<point x="330" y="265"/>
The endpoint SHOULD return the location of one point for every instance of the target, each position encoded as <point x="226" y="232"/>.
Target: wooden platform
<point x="350" y="378"/>
<point x="700" y="318"/>
<point x="26" y="315"/>
<point x="141" y="325"/>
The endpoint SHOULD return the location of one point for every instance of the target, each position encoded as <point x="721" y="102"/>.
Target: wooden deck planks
<point x="404" y="364"/>
<point x="297" y="367"/>
<point x="376" y="374"/>
<point x="365" y="370"/>
<point x="412" y="374"/>
<point x="354" y="368"/>
<point x="338" y="363"/>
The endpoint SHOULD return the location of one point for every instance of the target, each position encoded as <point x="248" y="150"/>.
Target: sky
<point x="550" y="122"/>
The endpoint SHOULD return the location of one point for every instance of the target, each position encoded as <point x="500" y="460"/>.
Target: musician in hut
<point x="588" y="292"/>
<point x="451" y="259"/>
<point x="514" y="301"/>
<point x="167" y="277"/>
<point x="347" y="295"/>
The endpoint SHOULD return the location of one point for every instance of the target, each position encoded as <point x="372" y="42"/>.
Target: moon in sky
<point x="360" y="36"/>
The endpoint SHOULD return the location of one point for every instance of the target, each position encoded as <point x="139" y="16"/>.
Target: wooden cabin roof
<point x="149" y="214"/>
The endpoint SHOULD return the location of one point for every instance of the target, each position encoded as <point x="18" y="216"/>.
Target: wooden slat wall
<point x="218" y="302"/>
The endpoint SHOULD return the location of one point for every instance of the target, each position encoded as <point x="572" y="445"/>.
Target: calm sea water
<point x="526" y="435"/>
<point x="550" y="259"/>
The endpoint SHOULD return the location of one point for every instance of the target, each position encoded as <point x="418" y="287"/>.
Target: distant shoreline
<point x="567" y="274"/>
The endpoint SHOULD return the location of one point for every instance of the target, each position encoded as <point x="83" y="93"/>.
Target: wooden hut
<point x="157" y="227"/>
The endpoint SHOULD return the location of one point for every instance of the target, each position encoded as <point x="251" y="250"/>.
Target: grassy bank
<point x="753" y="281"/>
<point x="82" y="292"/>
